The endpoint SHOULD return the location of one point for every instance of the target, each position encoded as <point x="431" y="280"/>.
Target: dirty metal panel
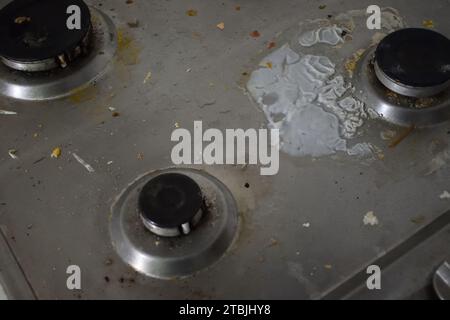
<point x="302" y="231"/>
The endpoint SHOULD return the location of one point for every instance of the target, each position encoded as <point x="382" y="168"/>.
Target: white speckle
<point x="13" y="154"/>
<point x="306" y="225"/>
<point x="148" y="77"/>
<point x="445" y="195"/>
<point x="7" y="113"/>
<point x="370" y="219"/>
<point x="83" y="163"/>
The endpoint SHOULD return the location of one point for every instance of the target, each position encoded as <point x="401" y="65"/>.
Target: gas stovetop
<point x="86" y="150"/>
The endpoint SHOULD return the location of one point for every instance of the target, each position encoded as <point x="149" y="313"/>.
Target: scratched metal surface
<point x="53" y="213"/>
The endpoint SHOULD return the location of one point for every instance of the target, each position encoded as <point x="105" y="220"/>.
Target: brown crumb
<point x="271" y="45"/>
<point x="133" y="24"/>
<point x="255" y="34"/>
<point x="273" y="242"/>
<point x="191" y="13"/>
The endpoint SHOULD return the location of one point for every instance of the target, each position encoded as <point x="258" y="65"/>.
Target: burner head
<point x="414" y="62"/>
<point x="170" y="204"/>
<point x="34" y="34"/>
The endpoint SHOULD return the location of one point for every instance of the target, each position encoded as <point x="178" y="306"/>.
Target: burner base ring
<point x="59" y="83"/>
<point x="395" y="108"/>
<point x="59" y="61"/>
<point x="415" y="92"/>
<point x="175" y="257"/>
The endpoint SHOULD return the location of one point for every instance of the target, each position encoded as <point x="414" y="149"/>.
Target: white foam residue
<point x="360" y="149"/>
<point x="329" y="35"/>
<point x="311" y="131"/>
<point x="301" y="96"/>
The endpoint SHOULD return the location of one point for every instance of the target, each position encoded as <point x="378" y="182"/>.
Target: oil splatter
<point x="350" y="64"/>
<point x="428" y="24"/>
<point x="84" y="94"/>
<point x="128" y="52"/>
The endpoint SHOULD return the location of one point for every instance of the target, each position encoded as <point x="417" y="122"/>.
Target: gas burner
<point x="173" y="222"/>
<point x="35" y="36"/>
<point x="406" y="78"/>
<point x="414" y="62"/>
<point x="171" y="204"/>
<point x="42" y="58"/>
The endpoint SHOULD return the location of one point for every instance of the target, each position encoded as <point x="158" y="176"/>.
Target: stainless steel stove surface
<point x="82" y="136"/>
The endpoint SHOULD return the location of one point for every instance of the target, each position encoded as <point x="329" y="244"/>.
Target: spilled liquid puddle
<point x="305" y="90"/>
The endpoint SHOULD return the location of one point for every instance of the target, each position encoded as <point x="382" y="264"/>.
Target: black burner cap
<point x="35" y="30"/>
<point x="415" y="57"/>
<point x="170" y="200"/>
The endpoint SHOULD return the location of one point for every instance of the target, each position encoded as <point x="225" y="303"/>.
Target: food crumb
<point x="191" y="13"/>
<point x="370" y="219"/>
<point x="255" y="34"/>
<point x="445" y="195"/>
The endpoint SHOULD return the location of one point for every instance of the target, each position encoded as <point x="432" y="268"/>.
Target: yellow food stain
<point x="350" y="64"/>
<point x="83" y="95"/>
<point x="266" y="64"/>
<point x="191" y="13"/>
<point x="56" y="153"/>
<point x="428" y="24"/>
<point x="127" y="50"/>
